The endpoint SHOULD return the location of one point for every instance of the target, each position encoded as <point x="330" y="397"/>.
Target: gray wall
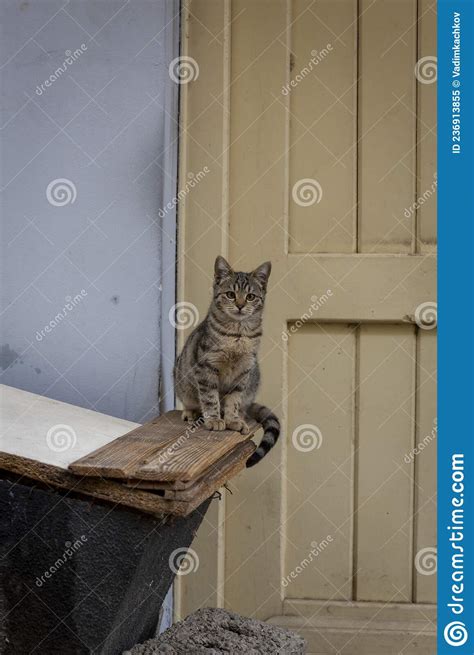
<point x="102" y="125"/>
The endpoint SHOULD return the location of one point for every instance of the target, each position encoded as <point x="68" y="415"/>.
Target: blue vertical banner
<point x="455" y="327"/>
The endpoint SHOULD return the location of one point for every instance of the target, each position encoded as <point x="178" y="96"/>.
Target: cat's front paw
<point x="238" y="424"/>
<point x="214" y="424"/>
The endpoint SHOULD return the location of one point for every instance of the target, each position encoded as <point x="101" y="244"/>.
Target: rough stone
<point x="217" y="631"/>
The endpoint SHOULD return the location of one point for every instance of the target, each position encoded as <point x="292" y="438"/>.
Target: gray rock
<point x="217" y="631"/>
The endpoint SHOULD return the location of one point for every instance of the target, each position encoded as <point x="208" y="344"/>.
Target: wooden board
<point x="51" y="431"/>
<point x="214" y="477"/>
<point x="156" y="485"/>
<point x="188" y="490"/>
<point x="40" y="437"/>
<point x="120" y="494"/>
<point x="167" y="448"/>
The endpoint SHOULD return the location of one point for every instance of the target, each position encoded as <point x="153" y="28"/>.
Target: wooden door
<point x="316" y="125"/>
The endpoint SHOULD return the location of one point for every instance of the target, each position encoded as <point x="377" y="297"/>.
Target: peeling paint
<point x="8" y="356"/>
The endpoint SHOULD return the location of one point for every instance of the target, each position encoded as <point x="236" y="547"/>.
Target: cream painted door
<point x="319" y="142"/>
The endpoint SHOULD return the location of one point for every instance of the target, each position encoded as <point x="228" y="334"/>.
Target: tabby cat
<point x="217" y="373"/>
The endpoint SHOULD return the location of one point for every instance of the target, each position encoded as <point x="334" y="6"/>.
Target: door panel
<point x="319" y="480"/>
<point x="323" y="124"/>
<point x="384" y="488"/>
<point x="387" y="124"/>
<point x="340" y="508"/>
<point x="425" y="469"/>
<point x="426" y="131"/>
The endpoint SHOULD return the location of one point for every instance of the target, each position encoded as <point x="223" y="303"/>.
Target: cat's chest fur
<point x="235" y="354"/>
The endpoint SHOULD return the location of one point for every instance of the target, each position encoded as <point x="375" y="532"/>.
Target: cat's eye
<point x="230" y="295"/>
<point x="251" y="296"/>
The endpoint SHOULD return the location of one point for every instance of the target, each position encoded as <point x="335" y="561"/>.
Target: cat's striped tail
<point x="271" y="431"/>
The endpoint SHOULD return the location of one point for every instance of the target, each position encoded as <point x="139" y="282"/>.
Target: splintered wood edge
<point x="246" y="448"/>
<point x="116" y="492"/>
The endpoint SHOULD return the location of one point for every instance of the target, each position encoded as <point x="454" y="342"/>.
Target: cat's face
<point x="240" y="295"/>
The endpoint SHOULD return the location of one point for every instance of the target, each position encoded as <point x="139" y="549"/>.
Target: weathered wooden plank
<point x="167" y="448"/>
<point x="175" y="485"/>
<point x="121" y="458"/>
<point x="42" y="447"/>
<point x="189" y="458"/>
<point x="118" y="493"/>
<point x="224" y="468"/>
<point x="219" y="477"/>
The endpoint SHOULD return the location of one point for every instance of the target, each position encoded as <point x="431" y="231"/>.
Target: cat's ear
<point x="222" y="268"/>
<point x="262" y="273"/>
